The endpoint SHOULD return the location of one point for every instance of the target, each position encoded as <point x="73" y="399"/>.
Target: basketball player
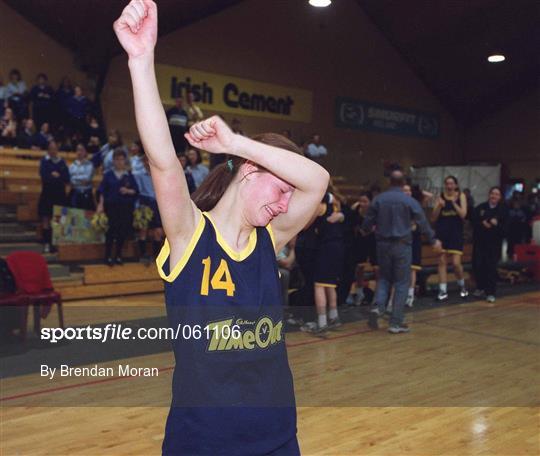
<point x="448" y="215"/>
<point x="232" y="386"/>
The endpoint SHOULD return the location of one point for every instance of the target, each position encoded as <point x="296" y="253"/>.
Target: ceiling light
<point x="320" y="3"/>
<point x="496" y="58"/>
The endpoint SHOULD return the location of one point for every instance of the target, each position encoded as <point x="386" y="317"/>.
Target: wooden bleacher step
<point x="129" y="272"/>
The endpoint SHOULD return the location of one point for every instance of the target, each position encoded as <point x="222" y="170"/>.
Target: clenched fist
<point x="136" y="28"/>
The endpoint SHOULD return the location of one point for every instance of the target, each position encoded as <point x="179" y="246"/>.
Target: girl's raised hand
<point x="212" y="135"/>
<point x="136" y="28"/>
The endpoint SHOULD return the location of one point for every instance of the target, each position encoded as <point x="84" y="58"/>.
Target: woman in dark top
<point x="54" y="177"/>
<point x="118" y="193"/>
<point x="489" y="223"/>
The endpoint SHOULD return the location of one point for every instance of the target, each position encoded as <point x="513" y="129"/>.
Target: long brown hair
<point x="216" y="183"/>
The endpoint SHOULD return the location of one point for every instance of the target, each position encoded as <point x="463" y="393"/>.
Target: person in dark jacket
<point x="118" y="193"/>
<point x="489" y="222"/>
<point x="54" y="177"/>
<point x="42" y="97"/>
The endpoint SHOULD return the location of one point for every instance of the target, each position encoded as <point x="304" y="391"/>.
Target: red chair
<point x="34" y="283"/>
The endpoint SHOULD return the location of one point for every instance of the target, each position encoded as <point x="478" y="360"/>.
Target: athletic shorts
<point x="452" y="240"/>
<point x="329" y="263"/>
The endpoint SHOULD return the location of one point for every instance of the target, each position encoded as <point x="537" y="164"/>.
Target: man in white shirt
<point x="315" y="150"/>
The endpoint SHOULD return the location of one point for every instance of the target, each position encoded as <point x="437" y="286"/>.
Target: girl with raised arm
<point x="232" y="386"/>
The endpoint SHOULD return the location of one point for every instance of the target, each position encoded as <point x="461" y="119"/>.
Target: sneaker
<point x="351" y="299"/>
<point x="109" y="262"/>
<point x="490" y="298"/>
<point x="478" y="293"/>
<point x="119" y="261"/>
<point x="442" y="296"/>
<point x="389" y="308"/>
<point x="397" y="329"/>
<point x="373" y="320"/>
<point x="334" y="323"/>
<point x="313" y="328"/>
<point x="463" y="293"/>
<point x="409" y="301"/>
<point x="359" y="298"/>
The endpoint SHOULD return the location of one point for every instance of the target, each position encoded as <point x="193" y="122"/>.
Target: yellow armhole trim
<point x="166" y="251"/>
<point x="233" y="254"/>
<point x="326" y="285"/>
<point x="271" y="233"/>
<point x="322" y="209"/>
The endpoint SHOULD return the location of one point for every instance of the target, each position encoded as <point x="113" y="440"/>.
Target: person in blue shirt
<point x="147" y="197"/>
<point x="189" y="178"/>
<point x="392" y="213"/>
<point x="41" y="139"/>
<point x="136" y="158"/>
<point x="117" y="195"/>
<point x="54" y="177"/>
<point x="25" y="138"/>
<point x="42" y="98"/>
<point x="62" y="96"/>
<point x="232" y="391"/>
<point x="195" y="167"/>
<point x="81" y="172"/>
<point x="105" y="155"/>
<point x="178" y="125"/>
<point x="77" y="108"/>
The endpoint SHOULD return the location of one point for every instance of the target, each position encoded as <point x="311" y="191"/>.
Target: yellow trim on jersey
<point x="415" y="267"/>
<point x="452" y="252"/>
<point x="326" y="285"/>
<point x="322" y="209"/>
<point x="271" y="233"/>
<point x="166" y="251"/>
<point x="236" y="256"/>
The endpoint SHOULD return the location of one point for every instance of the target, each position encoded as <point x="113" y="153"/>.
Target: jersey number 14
<point x="221" y="279"/>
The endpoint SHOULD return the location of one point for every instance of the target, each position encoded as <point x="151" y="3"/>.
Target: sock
<point x="442" y="287"/>
<point x="322" y="321"/>
<point x="411" y="292"/>
<point x="142" y="247"/>
<point x="332" y="314"/>
<point x="461" y="283"/>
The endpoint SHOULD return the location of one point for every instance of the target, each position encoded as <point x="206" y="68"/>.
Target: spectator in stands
<point x="54" y="178"/>
<point x="25" y="138"/>
<point x="93" y="146"/>
<point x="195" y="167"/>
<point x="62" y="97"/>
<point x="77" y="108"/>
<point x="93" y="130"/>
<point x="105" y="155"/>
<point x="189" y="178"/>
<point x="147" y="197"/>
<point x="392" y="214"/>
<point x="118" y="192"/>
<point x="81" y="172"/>
<point x="489" y="223"/>
<point x="193" y="110"/>
<point x="3" y="96"/>
<point x="17" y="94"/>
<point x="449" y="214"/>
<point x="236" y="127"/>
<point x="315" y="150"/>
<point x="136" y="156"/>
<point x="518" y="218"/>
<point x="178" y="125"/>
<point x="8" y="128"/>
<point x="286" y="259"/>
<point x="43" y="137"/>
<point x="42" y="98"/>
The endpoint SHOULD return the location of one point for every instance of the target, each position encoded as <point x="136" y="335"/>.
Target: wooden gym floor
<point x="464" y="382"/>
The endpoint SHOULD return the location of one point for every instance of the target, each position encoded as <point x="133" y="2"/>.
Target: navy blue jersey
<point x="232" y="391"/>
<point x="326" y="231"/>
<point x="449" y="227"/>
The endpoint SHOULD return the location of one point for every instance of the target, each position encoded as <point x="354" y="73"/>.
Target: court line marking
<point x="294" y="345"/>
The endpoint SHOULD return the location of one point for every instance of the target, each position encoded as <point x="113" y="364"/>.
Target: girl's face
<point x="134" y="149"/>
<point x="450" y="185"/>
<point x="266" y="197"/>
<point x="52" y="149"/>
<point x="494" y="196"/>
<point x="183" y="161"/>
<point x="119" y="162"/>
<point x="14" y="77"/>
<point x="8" y="114"/>
<point x="78" y="91"/>
<point x="363" y="203"/>
<point x="45" y="127"/>
<point x="407" y="190"/>
<point x="113" y="139"/>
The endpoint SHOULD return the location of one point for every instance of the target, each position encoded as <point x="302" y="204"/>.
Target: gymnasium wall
<point x="24" y="46"/>
<point x="295" y="45"/>
<point x="510" y="136"/>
